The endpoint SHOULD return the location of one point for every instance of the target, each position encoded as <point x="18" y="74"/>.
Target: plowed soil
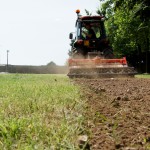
<point x="118" y="115"/>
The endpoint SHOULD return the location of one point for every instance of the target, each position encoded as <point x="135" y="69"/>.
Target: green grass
<point x="143" y="76"/>
<point x="42" y="112"/>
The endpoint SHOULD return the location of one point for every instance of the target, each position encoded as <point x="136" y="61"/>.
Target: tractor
<point x="91" y="54"/>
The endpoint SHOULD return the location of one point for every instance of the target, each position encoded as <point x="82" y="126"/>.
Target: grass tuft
<point x="142" y="76"/>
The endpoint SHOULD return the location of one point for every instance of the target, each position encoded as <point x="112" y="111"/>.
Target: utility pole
<point x="7" y="61"/>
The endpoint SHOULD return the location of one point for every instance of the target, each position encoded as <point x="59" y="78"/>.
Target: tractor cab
<point x="89" y="36"/>
<point x="93" y="23"/>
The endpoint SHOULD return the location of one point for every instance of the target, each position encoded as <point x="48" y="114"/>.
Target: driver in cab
<point x="90" y="34"/>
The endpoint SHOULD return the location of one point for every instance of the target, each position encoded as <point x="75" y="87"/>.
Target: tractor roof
<point x="91" y="17"/>
<point x="88" y="18"/>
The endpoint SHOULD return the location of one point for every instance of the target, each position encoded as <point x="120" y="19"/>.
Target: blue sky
<point x="37" y="31"/>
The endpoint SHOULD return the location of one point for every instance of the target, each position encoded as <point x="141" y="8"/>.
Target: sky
<point x="36" y="32"/>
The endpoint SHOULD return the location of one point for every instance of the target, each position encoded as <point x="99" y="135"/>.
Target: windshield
<point x="89" y="28"/>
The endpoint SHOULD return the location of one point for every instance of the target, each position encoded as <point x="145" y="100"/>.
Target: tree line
<point x="128" y="28"/>
<point x="50" y="68"/>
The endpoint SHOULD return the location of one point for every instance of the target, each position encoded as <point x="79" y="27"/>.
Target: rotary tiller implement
<point x="99" y="67"/>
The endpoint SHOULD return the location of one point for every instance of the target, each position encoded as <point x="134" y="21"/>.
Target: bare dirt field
<point x="118" y="114"/>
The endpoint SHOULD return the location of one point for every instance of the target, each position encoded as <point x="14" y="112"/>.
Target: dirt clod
<point x="83" y="142"/>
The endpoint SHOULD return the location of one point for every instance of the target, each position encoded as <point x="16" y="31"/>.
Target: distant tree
<point x="52" y="64"/>
<point x="99" y="12"/>
<point x="87" y="12"/>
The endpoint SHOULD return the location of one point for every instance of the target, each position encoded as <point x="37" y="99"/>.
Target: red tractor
<point x="91" y="54"/>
